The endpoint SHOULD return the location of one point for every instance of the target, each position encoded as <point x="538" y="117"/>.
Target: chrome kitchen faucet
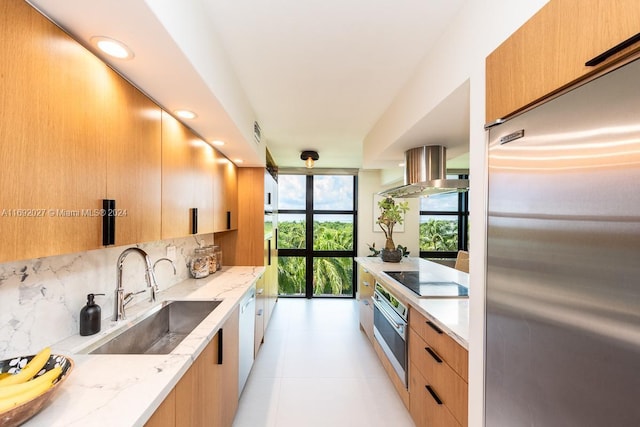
<point x="121" y="299"/>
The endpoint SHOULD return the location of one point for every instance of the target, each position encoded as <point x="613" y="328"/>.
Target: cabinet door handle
<point x="433" y="354"/>
<point x="228" y="220"/>
<point x="220" y="349"/>
<point x="617" y="48"/>
<point x="434" y="327"/>
<point x="194" y="221"/>
<point x="108" y="222"/>
<point x="433" y="394"/>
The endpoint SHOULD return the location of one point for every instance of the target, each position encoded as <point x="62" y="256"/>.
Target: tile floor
<point x="317" y="368"/>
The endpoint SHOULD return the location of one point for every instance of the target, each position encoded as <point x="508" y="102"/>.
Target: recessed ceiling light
<point x="401" y="165"/>
<point x="112" y="47"/>
<point x="238" y="160"/>
<point x="185" y="114"/>
<point x="218" y="143"/>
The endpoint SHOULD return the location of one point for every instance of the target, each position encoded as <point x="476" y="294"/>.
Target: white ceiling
<point x="315" y="74"/>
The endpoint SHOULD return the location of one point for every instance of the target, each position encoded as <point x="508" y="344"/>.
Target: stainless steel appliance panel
<point x="390" y="329"/>
<point x="563" y="260"/>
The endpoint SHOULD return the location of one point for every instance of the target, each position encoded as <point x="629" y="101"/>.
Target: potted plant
<point x="391" y="213"/>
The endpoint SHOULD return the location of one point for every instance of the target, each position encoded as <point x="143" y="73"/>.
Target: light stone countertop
<point x="125" y="390"/>
<point x="450" y="314"/>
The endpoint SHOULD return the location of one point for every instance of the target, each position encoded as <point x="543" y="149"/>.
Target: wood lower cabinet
<point x="260" y="314"/>
<point x="207" y="394"/>
<point x="426" y="407"/>
<point x="550" y="50"/>
<point x="270" y="278"/>
<point x="229" y="370"/>
<point x="165" y="415"/>
<point x="438" y="375"/>
<point x="366" y="284"/>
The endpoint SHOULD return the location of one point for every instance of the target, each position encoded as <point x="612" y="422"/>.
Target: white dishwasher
<point x="246" y="337"/>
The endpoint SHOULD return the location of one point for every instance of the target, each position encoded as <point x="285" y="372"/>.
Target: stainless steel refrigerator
<point x="563" y="260"/>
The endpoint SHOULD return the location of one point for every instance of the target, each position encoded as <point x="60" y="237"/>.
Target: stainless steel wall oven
<point x="390" y="328"/>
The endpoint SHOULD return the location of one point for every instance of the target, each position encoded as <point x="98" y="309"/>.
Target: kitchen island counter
<point x="125" y="390"/>
<point x="450" y="314"/>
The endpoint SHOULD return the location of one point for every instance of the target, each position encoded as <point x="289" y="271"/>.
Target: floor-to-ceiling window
<point x="317" y="217"/>
<point x="444" y="224"/>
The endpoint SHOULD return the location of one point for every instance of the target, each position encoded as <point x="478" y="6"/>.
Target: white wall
<point x="479" y="28"/>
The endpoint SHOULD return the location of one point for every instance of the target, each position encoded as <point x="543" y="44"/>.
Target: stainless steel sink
<point x="159" y="331"/>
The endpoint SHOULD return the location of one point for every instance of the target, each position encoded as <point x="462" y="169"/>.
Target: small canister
<point x="199" y="264"/>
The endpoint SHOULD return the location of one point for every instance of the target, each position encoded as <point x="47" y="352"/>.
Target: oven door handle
<point x="387" y="315"/>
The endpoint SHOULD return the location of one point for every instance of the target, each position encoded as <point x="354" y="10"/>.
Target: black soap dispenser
<point x="90" y="317"/>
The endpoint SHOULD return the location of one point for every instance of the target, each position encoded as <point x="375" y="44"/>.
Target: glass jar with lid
<point x="218" y="253"/>
<point x="213" y="265"/>
<point x="199" y="263"/>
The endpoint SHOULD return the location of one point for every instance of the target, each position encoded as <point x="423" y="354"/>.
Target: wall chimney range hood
<point x="425" y="173"/>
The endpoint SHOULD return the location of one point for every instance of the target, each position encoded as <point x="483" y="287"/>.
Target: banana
<point x="26" y="395"/>
<point x="30" y="369"/>
<point x="12" y="390"/>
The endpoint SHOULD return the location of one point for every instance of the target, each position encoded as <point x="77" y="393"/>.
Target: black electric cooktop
<point x="425" y="287"/>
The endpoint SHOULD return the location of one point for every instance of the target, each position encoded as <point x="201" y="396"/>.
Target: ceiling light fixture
<point x="112" y="47"/>
<point x="309" y="158"/>
<point x="185" y="114"/>
<point x="218" y="142"/>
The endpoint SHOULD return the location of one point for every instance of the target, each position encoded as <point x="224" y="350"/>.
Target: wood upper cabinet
<point x="73" y="133"/>
<point x="134" y="166"/>
<point x="187" y="180"/>
<point x="549" y="52"/>
<point x="225" y="194"/>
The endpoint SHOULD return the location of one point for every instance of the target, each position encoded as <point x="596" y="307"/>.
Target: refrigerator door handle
<point x="617" y="48"/>
<point x="494" y="123"/>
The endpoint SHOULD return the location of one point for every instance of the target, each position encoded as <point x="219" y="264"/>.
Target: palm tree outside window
<point x="316" y="235"/>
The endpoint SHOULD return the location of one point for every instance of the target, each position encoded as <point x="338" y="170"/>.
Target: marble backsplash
<point x="41" y="299"/>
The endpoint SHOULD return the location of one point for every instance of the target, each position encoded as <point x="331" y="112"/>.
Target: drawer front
<point x="366" y="317"/>
<point x="443" y="380"/>
<point x="425" y="404"/>
<point x="366" y="283"/>
<point x="456" y="356"/>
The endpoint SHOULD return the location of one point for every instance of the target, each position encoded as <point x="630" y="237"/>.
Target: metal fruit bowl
<point x="21" y="413"/>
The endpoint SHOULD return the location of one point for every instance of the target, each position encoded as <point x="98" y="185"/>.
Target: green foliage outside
<point x="291" y="235"/>
<point x="332" y="275"/>
<point x="291" y="274"/>
<point x="439" y="235"/>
